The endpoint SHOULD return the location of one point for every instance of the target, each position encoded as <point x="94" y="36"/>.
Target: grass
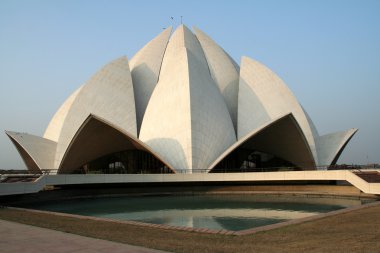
<point x="356" y="231"/>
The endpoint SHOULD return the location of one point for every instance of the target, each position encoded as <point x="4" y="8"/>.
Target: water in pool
<point x="230" y="212"/>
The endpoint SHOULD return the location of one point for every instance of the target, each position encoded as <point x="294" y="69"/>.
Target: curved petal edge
<point x="54" y="128"/>
<point x="191" y="127"/>
<point x="331" y="146"/>
<point x="223" y="70"/>
<point x="97" y="137"/>
<point x="270" y="138"/>
<point x="109" y="94"/>
<point x="145" y="68"/>
<point x="264" y="96"/>
<point x="37" y="152"/>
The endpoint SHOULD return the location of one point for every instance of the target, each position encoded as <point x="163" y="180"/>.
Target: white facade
<point x="185" y="101"/>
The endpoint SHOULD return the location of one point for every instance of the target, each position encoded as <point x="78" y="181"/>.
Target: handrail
<point x="62" y="179"/>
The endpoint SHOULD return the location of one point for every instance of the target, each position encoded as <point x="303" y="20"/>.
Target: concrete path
<point x="20" y="238"/>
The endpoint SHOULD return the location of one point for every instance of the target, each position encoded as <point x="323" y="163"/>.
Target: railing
<point x="249" y="176"/>
<point x="16" y="178"/>
<point x="192" y="171"/>
<point x="354" y="168"/>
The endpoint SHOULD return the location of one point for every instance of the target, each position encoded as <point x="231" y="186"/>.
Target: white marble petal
<point x="186" y="121"/>
<point x="145" y="69"/>
<point x="54" y="128"/>
<point x="263" y="96"/>
<point x="270" y="138"/>
<point x="96" y="138"/>
<point x="37" y="152"/>
<point x="109" y="94"/>
<point x="330" y="146"/>
<point x="223" y="70"/>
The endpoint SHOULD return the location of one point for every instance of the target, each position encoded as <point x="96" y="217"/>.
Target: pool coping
<point x="205" y="230"/>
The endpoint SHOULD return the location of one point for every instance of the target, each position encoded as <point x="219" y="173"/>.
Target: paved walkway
<point x="20" y="238"/>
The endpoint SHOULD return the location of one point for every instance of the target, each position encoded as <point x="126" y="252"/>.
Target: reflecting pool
<point x="230" y="212"/>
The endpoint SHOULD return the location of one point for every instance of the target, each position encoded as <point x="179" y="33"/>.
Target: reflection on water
<point x="231" y="212"/>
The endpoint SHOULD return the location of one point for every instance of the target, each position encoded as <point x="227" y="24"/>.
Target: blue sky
<point x="326" y="51"/>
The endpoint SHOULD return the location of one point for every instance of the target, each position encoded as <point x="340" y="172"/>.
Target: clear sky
<point x="326" y="51"/>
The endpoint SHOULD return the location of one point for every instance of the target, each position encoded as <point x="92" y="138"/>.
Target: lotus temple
<point x="182" y="113"/>
<point x="181" y="137"/>
<point x="180" y="105"/>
